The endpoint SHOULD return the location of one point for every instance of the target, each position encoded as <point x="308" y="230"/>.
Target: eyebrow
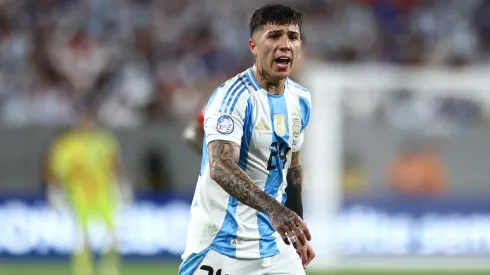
<point x="282" y="31"/>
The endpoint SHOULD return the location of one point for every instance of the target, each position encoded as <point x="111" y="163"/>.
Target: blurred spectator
<point x="144" y="58"/>
<point x="418" y="171"/>
<point x="459" y="113"/>
<point x="406" y="110"/>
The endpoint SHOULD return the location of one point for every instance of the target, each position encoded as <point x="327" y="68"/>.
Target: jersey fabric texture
<point x="268" y="128"/>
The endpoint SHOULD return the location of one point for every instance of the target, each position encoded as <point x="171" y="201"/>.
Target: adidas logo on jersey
<point x="236" y="242"/>
<point x="262" y="125"/>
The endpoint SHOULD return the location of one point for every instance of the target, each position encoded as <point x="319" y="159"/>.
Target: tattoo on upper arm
<point x="225" y="151"/>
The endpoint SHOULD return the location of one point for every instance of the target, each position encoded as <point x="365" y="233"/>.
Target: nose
<point x="285" y="44"/>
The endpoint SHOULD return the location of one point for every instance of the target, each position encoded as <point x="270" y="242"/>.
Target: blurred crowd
<point x="417" y="112"/>
<point x="148" y="60"/>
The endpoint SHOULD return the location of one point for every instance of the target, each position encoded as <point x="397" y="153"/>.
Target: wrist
<point x="272" y="207"/>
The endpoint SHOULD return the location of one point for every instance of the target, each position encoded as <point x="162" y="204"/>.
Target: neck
<point x="86" y="127"/>
<point x="275" y="87"/>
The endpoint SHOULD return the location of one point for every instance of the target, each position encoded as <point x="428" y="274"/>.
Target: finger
<point x="295" y="243"/>
<point x="302" y="239"/>
<point x="292" y="238"/>
<point x="310" y="253"/>
<point x="286" y="240"/>
<point x="298" y="236"/>
<point x="304" y="257"/>
<point x="297" y="233"/>
<point x="284" y="237"/>
<point x="311" y="256"/>
<point x="304" y="228"/>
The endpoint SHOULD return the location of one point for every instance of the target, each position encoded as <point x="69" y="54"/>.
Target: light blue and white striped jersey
<point x="268" y="129"/>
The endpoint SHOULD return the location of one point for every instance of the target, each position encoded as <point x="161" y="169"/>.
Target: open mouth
<point x="282" y="62"/>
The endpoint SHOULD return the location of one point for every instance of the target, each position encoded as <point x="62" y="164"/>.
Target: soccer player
<point x="254" y="127"/>
<point x="84" y="163"/>
<point x="194" y="132"/>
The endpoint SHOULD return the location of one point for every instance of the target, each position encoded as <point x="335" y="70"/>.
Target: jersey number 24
<point x="280" y="151"/>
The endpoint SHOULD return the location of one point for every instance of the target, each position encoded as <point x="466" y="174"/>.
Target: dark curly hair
<point x="276" y="14"/>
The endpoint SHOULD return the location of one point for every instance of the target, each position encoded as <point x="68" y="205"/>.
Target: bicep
<point x="223" y="151"/>
<point x="223" y="158"/>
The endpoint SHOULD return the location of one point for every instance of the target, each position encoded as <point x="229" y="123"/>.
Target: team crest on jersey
<point x="296" y="126"/>
<point x="225" y="125"/>
<point x="280" y="124"/>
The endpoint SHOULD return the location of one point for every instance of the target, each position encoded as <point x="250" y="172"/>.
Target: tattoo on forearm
<point x="294" y="189"/>
<point x="226" y="172"/>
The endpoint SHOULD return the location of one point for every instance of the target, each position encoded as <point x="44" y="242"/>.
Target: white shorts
<point x="210" y="262"/>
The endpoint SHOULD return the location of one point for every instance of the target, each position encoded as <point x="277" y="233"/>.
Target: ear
<point x="252" y="46"/>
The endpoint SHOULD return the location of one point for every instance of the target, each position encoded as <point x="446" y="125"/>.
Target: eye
<point x="274" y="36"/>
<point x="293" y="37"/>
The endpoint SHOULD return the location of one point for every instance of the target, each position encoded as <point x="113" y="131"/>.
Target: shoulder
<point x="304" y="100"/>
<point x="107" y="135"/>
<point x="63" y="138"/>
<point x="294" y="86"/>
<point x="298" y="90"/>
<point x="301" y="92"/>
<point x="234" y="92"/>
<point x="61" y="145"/>
<point x="239" y="82"/>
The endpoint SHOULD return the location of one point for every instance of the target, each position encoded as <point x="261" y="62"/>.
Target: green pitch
<point x="23" y="268"/>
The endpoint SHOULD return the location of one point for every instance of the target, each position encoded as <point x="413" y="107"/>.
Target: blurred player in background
<point x="84" y="164"/>
<point x="194" y="132"/>
<point x="253" y="130"/>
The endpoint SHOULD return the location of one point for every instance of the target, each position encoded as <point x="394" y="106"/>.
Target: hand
<point x="289" y="225"/>
<point x="305" y="252"/>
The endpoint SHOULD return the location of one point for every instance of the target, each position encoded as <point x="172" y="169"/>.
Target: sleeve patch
<point x="225" y="125"/>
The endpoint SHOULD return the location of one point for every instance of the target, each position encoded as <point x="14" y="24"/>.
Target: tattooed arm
<point x="295" y="185"/>
<point x="225" y="171"/>
<point x="295" y="202"/>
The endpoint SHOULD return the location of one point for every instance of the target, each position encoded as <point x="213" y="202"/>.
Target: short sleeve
<point x="225" y="113"/>
<point x="305" y="109"/>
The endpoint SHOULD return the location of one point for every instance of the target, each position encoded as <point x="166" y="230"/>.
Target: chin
<point x="279" y="75"/>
